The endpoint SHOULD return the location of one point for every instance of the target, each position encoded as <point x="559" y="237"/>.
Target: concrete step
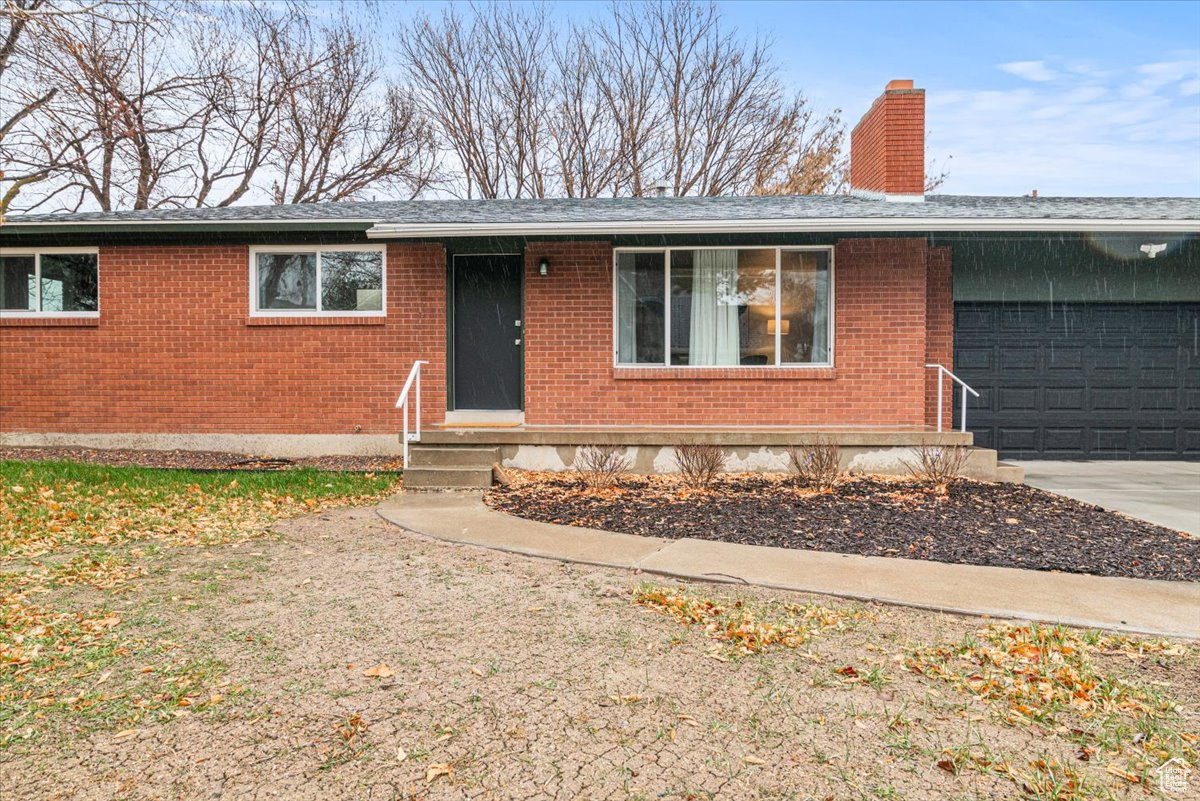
<point x="981" y="464"/>
<point x="438" y="478"/>
<point x="447" y="456"/>
<point x="1010" y="473"/>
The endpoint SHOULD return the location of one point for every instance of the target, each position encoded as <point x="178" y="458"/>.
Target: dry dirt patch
<point x="370" y="663"/>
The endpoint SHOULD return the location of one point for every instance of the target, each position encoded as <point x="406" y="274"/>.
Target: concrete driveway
<point x="1166" y="493"/>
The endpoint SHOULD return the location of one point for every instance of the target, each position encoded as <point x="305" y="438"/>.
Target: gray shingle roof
<point x="686" y="209"/>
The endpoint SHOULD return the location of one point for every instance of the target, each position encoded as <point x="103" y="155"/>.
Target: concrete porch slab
<point x="1161" y="608"/>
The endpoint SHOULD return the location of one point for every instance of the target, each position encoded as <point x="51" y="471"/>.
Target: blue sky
<point x="1070" y="98"/>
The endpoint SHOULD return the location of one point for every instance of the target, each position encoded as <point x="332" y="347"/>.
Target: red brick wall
<point x="174" y="350"/>
<point x="887" y="147"/>
<point x="939" y="344"/>
<point x="881" y="299"/>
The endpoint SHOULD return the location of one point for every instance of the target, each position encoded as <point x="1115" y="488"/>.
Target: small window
<point x="337" y="281"/>
<point x="59" y="283"/>
<point x="724" y="307"/>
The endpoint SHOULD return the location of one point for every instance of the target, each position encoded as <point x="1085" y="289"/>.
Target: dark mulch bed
<point x="1001" y="525"/>
<point x="203" y="460"/>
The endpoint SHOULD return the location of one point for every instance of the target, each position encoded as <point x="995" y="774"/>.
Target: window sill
<point x="49" y="322"/>
<point x="725" y="373"/>
<point x="316" y="320"/>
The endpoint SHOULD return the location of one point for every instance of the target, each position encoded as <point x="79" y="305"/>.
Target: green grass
<point x="306" y="482"/>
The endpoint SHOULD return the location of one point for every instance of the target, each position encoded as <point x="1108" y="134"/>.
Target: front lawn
<point x="169" y="635"/>
<point x="971" y="522"/>
<point x="76" y="540"/>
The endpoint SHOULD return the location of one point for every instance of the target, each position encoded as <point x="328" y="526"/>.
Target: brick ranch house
<point x="544" y="325"/>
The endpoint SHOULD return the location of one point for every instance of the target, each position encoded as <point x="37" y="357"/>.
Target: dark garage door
<point x="1082" y="380"/>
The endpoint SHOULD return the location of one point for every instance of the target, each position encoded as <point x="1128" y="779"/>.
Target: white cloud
<point x="1030" y="70"/>
<point x="1133" y="132"/>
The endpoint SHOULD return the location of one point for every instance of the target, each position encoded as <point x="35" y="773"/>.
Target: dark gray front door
<point x="1082" y="380"/>
<point x="487" y="332"/>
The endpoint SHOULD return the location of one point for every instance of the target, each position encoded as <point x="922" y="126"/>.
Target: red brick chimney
<point x="887" y="147"/>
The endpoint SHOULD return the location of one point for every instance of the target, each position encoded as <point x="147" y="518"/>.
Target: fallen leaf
<point x="476" y="671"/>
<point x="380" y="671"/>
<point x="435" y="770"/>
<point x="401" y="755"/>
<point x="752" y="760"/>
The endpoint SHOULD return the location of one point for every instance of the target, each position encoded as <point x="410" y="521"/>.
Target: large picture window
<point x="318" y="281"/>
<point x="58" y="283"/>
<point x="724" y="307"/>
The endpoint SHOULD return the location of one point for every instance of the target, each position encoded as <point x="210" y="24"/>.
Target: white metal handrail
<point x="942" y="373"/>
<point x="413" y="381"/>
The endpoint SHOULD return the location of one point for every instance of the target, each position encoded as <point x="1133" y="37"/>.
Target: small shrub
<point x="699" y="464"/>
<point x="601" y="465"/>
<point x="816" y="463"/>
<point x="938" y="464"/>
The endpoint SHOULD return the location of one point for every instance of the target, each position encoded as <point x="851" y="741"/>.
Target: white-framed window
<point x="333" y="281"/>
<point x="49" y="282"/>
<point x="723" y="307"/>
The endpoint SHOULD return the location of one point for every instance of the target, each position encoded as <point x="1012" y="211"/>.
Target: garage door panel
<point x="1156" y="319"/>
<point x="1016" y="399"/>
<point x="1159" y="357"/>
<point x="974" y="358"/>
<point x="1157" y="442"/>
<point x="1019" y="358"/>
<point x="1114" y="322"/>
<point x="1017" y="439"/>
<point x="1157" y="399"/>
<point x="976" y="318"/>
<point x="1082" y="380"/>
<point x="1022" y="319"/>
<point x="1113" y="439"/>
<point x="1063" y="399"/>
<point x="1064" y="440"/>
<point x="1109" y="359"/>
<point x="1063" y="358"/>
<point x="1111" y="399"/>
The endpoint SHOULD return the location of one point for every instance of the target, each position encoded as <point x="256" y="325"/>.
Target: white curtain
<point x="714" y="337"/>
<point x="820" y="337"/>
<point x="626" y="315"/>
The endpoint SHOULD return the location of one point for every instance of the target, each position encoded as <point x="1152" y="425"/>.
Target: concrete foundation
<point x="280" y="445"/>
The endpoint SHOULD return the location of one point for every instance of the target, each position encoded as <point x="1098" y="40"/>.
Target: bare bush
<point x="601" y="465"/>
<point x="699" y="464"/>
<point x="938" y="464"/>
<point x="816" y="463"/>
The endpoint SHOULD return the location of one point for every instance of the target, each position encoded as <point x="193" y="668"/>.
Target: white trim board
<point x="880" y="225"/>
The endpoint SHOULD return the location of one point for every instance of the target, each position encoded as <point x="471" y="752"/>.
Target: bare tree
<point x="484" y="82"/>
<point x="180" y="103"/>
<point x="28" y="27"/>
<point x="150" y="103"/>
<point x="341" y="130"/>
<point x="657" y="89"/>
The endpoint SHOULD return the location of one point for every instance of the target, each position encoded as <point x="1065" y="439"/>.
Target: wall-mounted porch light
<point x="544" y="266"/>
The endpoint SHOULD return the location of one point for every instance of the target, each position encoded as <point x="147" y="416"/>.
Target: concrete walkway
<point x="1166" y="493"/>
<point x="1164" y="608"/>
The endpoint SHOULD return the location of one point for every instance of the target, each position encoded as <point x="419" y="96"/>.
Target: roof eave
<point x="861" y="224"/>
